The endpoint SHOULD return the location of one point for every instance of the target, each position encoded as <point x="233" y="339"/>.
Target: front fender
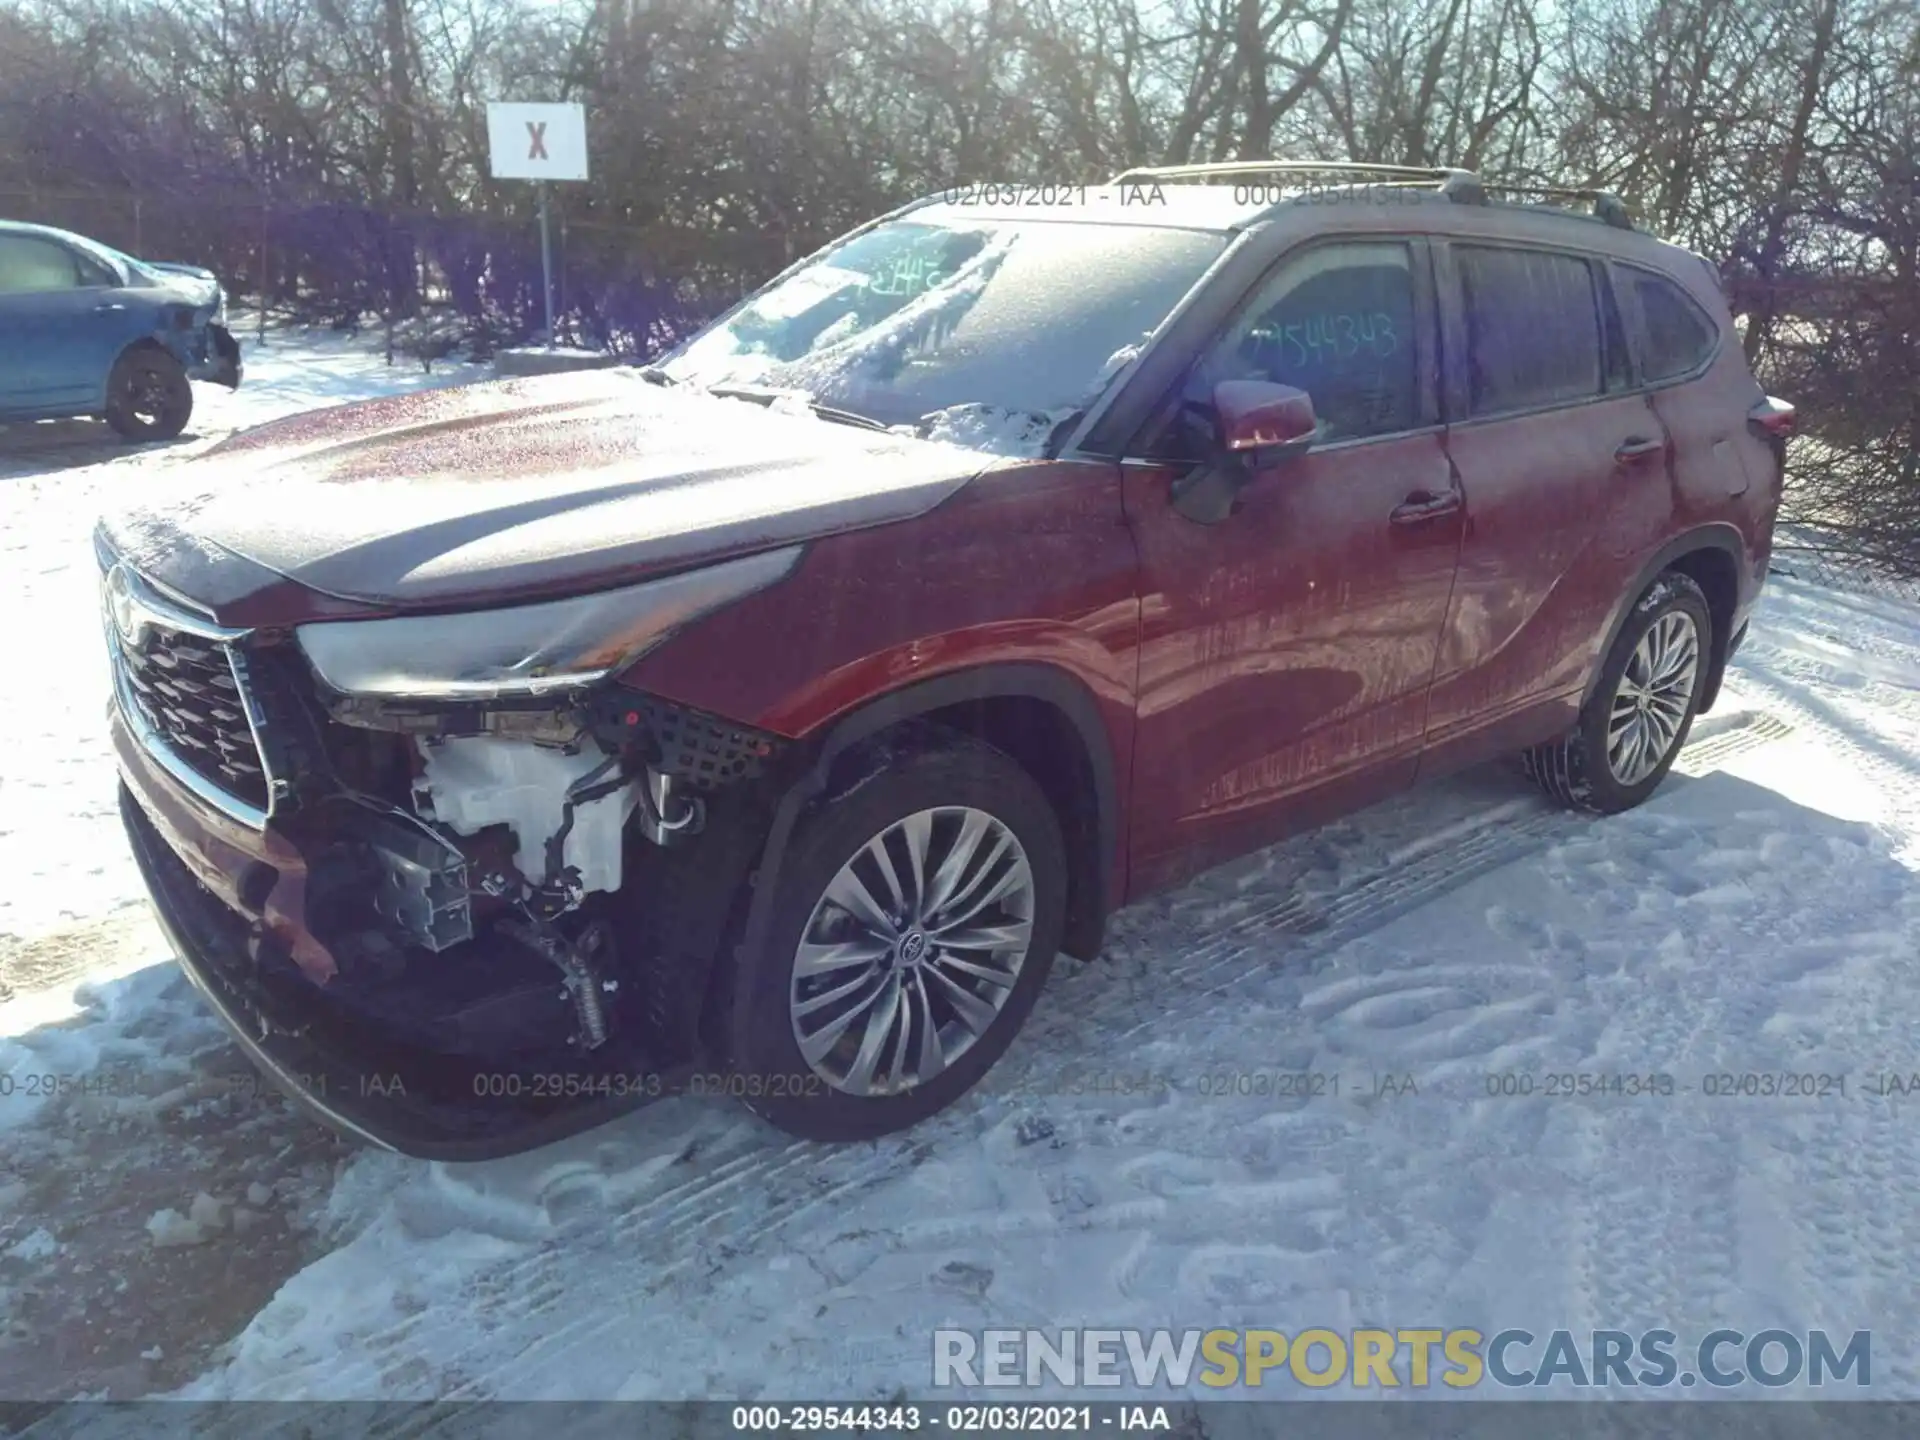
<point x="1022" y="585"/>
<point x="1034" y="564"/>
<point x="1102" y="880"/>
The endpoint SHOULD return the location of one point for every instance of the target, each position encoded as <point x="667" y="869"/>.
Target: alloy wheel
<point x="147" y="395"/>
<point x="1652" y="700"/>
<point x="912" y="952"/>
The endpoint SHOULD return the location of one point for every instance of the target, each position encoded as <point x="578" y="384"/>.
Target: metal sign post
<point x="539" y="142"/>
<point x="546" y="262"/>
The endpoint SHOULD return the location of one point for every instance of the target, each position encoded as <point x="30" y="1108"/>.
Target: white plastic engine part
<point x="473" y="781"/>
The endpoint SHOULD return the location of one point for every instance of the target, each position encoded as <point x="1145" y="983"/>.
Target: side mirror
<point x="1260" y="425"/>
<point x="1267" y="423"/>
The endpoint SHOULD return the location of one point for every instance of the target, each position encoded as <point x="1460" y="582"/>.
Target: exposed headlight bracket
<point x="699" y="750"/>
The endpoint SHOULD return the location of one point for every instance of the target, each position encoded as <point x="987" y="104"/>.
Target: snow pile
<point x="40" y="1245"/>
<point x="205" y="1218"/>
<point x="1020" y="433"/>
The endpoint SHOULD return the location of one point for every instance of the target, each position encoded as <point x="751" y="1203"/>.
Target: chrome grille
<point x="188" y="693"/>
<point x="181" y="686"/>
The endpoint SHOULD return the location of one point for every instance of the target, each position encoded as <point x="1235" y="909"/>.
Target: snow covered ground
<point x="180" y="1232"/>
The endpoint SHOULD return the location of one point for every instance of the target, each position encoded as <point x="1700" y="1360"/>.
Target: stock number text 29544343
<point x="1318" y="340"/>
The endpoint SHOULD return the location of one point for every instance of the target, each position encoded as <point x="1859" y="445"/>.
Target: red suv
<point x="765" y="720"/>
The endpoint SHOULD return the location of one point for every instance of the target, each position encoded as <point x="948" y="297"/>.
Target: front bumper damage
<point x="371" y="963"/>
<point x="218" y="359"/>
<point x="399" y="1098"/>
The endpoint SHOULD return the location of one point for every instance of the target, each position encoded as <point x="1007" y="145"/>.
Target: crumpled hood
<point x="497" y="491"/>
<point x="198" y="286"/>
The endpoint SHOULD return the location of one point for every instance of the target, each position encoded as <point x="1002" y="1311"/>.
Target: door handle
<point x="1637" y="447"/>
<point x="107" y="307"/>
<point x="1424" y="505"/>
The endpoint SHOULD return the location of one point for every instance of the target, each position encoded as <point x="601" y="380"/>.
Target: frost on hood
<point x="160" y="534"/>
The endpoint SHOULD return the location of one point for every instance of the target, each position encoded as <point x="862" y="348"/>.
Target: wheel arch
<point x="144" y="342"/>
<point x="1711" y="556"/>
<point x="1045" y="718"/>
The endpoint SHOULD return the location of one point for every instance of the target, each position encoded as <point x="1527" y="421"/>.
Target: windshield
<point x="137" y="271"/>
<point x="948" y="327"/>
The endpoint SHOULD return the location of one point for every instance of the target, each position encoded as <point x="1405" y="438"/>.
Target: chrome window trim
<point x="1350" y="442"/>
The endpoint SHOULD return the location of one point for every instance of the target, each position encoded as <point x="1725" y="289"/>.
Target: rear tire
<point x="928" y="986"/>
<point x="1635" y="722"/>
<point x="148" y="396"/>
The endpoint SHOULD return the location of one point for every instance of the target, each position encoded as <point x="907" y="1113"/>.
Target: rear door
<point x="1565" y="466"/>
<point x="1286" y="651"/>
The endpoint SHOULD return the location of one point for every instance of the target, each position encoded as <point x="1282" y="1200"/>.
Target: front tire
<point x="148" y="396"/>
<point x="1633" y="725"/>
<point x="913" y="925"/>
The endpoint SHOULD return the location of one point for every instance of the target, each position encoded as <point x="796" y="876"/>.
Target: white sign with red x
<point x="537" y="142"/>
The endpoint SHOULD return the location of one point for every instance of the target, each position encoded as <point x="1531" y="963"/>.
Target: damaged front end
<point x="219" y="361"/>
<point x="445" y="868"/>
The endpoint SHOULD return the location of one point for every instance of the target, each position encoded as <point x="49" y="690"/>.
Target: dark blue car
<point x="86" y="330"/>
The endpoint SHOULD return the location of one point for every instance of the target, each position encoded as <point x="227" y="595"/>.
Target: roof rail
<point x="1463" y="187"/>
<point x="1350" y="169"/>
<point x="1607" y="207"/>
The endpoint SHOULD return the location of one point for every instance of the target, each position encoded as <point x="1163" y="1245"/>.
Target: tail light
<point x="1772" y="419"/>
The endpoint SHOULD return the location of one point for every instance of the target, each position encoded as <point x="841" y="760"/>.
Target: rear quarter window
<point x="1676" y="336"/>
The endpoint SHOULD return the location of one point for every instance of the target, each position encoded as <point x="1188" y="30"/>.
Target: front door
<point x="1286" y="651"/>
<point x="61" y="323"/>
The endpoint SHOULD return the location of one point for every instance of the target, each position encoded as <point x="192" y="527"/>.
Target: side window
<point x="1675" y="334"/>
<point x="94" y="273"/>
<point x="1533" y="328"/>
<point x="1339" y="323"/>
<point x="29" y="265"/>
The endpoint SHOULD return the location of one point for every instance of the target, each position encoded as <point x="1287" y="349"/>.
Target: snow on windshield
<point x="993" y="331"/>
<point x="983" y="427"/>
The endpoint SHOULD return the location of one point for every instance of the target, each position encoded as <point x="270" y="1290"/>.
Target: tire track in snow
<point x="683" y="1231"/>
<point x="1852" y="1175"/>
<point x="1379" y="1005"/>
<point x="1856" y="1166"/>
<point x="1896" y="779"/>
<point x="1833" y="1176"/>
<point x="1678" y="1204"/>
